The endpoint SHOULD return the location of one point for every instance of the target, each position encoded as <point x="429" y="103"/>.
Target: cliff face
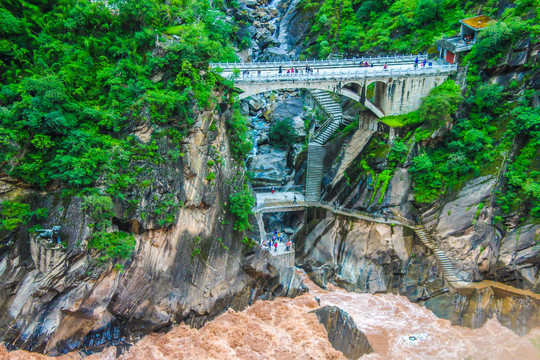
<point x="190" y="270"/>
<point x="364" y="256"/>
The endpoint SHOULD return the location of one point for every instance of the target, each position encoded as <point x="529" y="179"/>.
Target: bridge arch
<point x="349" y="90"/>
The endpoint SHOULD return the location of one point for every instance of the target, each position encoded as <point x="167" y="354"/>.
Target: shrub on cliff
<point x="440" y="104"/>
<point x="241" y="204"/>
<point x="113" y="246"/>
<point x="237" y="129"/>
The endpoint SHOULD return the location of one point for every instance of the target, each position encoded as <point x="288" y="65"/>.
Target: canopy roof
<point x="477" y="22"/>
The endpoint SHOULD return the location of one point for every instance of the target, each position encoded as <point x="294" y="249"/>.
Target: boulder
<point x="299" y="127"/>
<point x="289" y="109"/>
<point x="343" y="333"/>
<point x="250" y="3"/>
<point x="269" y="167"/>
<point x="275" y="54"/>
<point x="255" y="104"/>
<point x="520" y="251"/>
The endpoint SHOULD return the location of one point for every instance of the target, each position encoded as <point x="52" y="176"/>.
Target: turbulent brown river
<point x="284" y="329"/>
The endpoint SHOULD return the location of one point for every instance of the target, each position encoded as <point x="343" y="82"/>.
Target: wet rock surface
<point x="268" y="164"/>
<point x="343" y="333"/>
<point x="362" y="256"/>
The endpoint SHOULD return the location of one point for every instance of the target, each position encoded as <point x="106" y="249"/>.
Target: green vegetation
<point x="241" y="203"/>
<point x="14" y="214"/>
<point x="395" y="120"/>
<point x="166" y="209"/>
<point x="282" y="134"/>
<point x="100" y="208"/>
<point x="77" y="77"/>
<point x="248" y="242"/>
<point x="400" y="26"/>
<point x="112" y="246"/>
<point x="350" y="128"/>
<point x="238" y="135"/>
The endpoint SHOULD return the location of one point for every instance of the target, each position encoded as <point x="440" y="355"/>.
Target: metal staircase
<point x="335" y="116"/>
<point x="447" y="269"/>
<point x="445" y="264"/>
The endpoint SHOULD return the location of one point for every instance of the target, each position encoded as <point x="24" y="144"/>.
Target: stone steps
<point x="334" y="111"/>
<point x="316" y="154"/>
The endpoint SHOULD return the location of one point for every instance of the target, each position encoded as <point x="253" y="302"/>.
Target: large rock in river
<point x="343" y="333"/>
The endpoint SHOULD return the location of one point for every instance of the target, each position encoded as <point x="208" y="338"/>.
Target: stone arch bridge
<point x="399" y="84"/>
<point x="398" y="88"/>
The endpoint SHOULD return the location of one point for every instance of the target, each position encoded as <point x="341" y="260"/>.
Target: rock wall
<point x="363" y="256"/>
<point x="165" y="281"/>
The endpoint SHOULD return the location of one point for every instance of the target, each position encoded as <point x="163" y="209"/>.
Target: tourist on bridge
<point x="385" y="66"/>
<point x="424" y="63"/>
<point x="275" y="246"/>
<point x="280" y="70"/>
<point x="294" y="199"/>
<point x="273" y="189"/>
<point x="416" y="62"/>
<point x="289" y="243"/>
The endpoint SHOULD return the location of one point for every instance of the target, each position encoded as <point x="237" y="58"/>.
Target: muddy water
<point x="399" y="329"/>
<point x="284" y="329"/>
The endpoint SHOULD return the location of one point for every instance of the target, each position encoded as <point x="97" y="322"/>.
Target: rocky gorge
<point x="196" y="286"/>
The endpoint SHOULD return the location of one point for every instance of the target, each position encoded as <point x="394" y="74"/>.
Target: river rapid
<point x="285" y="329"/>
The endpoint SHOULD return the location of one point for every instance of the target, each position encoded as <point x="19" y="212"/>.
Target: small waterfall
<point x="281" y="30"/>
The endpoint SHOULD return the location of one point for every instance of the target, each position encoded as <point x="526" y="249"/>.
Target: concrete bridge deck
<point x="318" y="64"/>
<point x="399" y="88"/>
<point x="343" y="74"/>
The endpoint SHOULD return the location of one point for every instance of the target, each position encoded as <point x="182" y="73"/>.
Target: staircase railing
<point x="325" y="125"/>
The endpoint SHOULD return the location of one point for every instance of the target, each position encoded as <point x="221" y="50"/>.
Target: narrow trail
<point x="283" y="202"/>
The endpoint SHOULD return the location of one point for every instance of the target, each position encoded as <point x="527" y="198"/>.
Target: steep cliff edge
<point x="189" y="268"/>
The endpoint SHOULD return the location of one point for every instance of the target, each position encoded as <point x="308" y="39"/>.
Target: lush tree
<point x="282" y="133"/>
<point x="241" y="204"/>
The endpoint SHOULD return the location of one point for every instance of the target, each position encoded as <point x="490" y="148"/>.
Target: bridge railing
<point x="318" y="63"/>
<point x="345" y="75"/>
<point x="286" y="188"/>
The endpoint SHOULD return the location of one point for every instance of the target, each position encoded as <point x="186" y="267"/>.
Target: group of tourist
<point x="423" y="63"/>
<point x="308" y="70"/>
<point x="277" y="238"/>
<point x="467" y="38"/>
